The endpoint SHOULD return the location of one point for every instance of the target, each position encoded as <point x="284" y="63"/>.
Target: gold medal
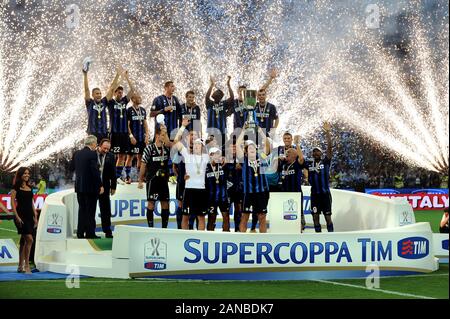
<point x="256" y="174"/>
<point x="99" y="116"/>
<point x="217" y="182"/>
<point x="162" y="163"/>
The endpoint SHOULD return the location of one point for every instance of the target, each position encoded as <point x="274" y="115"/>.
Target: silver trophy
<point x="87" y="64"/>
<point x="249" y="98"/>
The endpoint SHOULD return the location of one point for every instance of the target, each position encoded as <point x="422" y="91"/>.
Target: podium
<point x="284" y="211"/>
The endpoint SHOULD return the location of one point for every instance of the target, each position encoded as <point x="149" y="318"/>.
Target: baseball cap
<point x="213" y="150"/>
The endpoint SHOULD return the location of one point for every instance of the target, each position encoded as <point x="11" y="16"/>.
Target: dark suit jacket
<point x="85" y="164"/>
<point x="109" y="173"/>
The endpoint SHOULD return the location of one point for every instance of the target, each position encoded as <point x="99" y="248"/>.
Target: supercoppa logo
<point x="155" y="254"/>
<point x="413" y="248"/>
<point x="54" y="223"/>
<point x="290" y="210"/>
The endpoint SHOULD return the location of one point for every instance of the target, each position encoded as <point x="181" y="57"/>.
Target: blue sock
<point x="128" y="170"/>
<point x="330" y="228"/>
<point x="119" y="170"/>
<point x="318" y="228"/>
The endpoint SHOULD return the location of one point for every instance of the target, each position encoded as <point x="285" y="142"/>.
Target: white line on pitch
<point x="159" y="280"/>
<point x="13" y="231"/>
<point x="376" y="289"/>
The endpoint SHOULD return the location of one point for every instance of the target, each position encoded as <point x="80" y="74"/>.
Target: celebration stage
<point x="371" y="234"/>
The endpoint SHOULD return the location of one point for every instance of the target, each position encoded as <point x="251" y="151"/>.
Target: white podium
<point x="284" y="213"/>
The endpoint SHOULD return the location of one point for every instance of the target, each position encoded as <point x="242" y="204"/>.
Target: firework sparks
<point x="330" y="68"/>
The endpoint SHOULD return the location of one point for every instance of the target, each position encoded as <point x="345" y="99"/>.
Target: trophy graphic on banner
<point x="249" y="98"/>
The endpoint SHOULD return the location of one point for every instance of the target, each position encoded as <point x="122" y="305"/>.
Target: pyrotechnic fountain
<point x="330" y="64"/>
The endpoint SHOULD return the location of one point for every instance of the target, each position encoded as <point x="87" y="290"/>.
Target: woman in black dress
<point x="25" y="216"/>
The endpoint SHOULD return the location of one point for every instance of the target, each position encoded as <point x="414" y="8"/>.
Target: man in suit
<point x="107" y="167"/>
<point x="88" y="186"/>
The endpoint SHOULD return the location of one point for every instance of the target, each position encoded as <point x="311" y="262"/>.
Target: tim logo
<point x="290" y="210"/>
<point x="54" y="223"/>
<point x="155" y="254"/>
<point x="413" y="248"/>
<point x="445" y="244"/>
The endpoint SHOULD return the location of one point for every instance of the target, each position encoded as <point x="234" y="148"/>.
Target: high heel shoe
<point x="20" y="269"/>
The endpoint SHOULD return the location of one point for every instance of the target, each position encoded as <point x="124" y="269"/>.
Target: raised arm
<point x="240" y="145"/>
<point x="130" y="84"/>
<point x="265" y="141"/>
<point x="327" y="129"/>
<point x="87" y="93"/>
<point x="272" y="76"/>
<point x="177" y="138"/>
<point x="114" y="84"/>
<point x="301" y="158"/>
<point x="208" y="93"/>
<point x="230" y="91"/>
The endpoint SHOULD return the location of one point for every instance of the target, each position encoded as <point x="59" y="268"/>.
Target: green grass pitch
<point x="434" y="285"/>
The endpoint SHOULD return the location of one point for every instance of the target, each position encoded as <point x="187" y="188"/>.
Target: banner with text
<point x="171" y="252"/>
<point x="9" y="254"/>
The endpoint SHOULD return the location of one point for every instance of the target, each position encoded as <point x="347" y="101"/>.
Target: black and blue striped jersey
<point x="97" y="123"/>
<point x="193" y="113"/>
<point x="319" y="175"/>
<point x="171" y="118"/>
<point x="266" y="115"/>
<point x="254" y="177"/>
<point x="217" y="116"/>
<point x="292" y="176"/>
<point x="118" y="115"/>
<point x="216" y="183"/>
<point x="137" y="117"/>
